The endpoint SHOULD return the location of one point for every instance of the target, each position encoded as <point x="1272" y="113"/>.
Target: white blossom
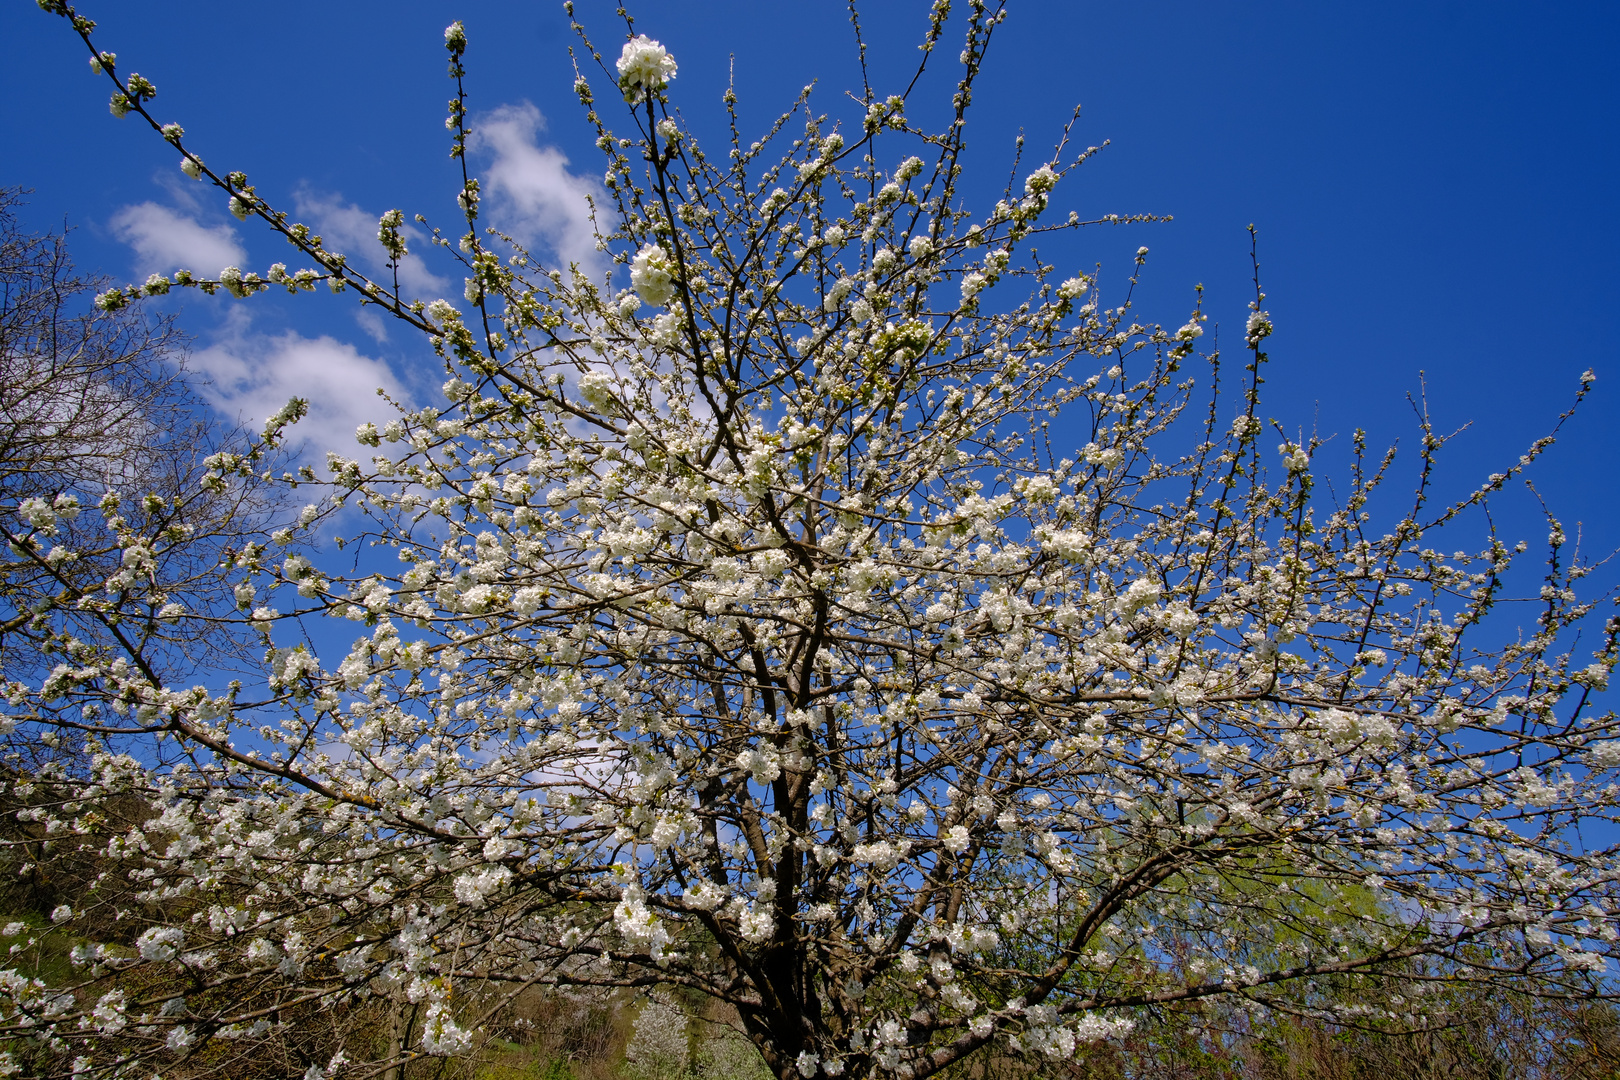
<point x="160" y="942"/>
<point x="441" y="1036"/>
<point x="652" y="275"/>
<point x="644" y="67"/>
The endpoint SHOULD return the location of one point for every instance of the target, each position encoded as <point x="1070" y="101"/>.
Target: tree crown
<point x="750" y="629"/>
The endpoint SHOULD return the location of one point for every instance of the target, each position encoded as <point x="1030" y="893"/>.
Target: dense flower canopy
<point x="746" y="627"/>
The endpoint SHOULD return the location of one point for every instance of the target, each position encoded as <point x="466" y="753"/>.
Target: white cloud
<point x="349" y="229"/>
<point x="182" y="190"/>
<point x="536" y="198"/>
<point x="372" y="323"/>
<point x="251" y="376"/>
<point x="166" y="240"/>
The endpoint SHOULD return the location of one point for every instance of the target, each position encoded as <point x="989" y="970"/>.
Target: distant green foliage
<point x="557" y="1069"/>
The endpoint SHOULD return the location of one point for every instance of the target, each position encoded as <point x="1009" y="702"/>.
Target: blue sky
<point x="1433" y="182"/>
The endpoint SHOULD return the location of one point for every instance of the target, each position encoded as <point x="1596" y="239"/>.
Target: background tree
<point x="95" y="412"/>
<point x="750" y="631"/>
<point x="661" y="1047"/>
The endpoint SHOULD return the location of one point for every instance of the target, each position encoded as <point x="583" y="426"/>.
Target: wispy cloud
<point x="534" y="197"/>
<point x="372" y="323"/>
<point x="352" y="230"/>
<point x="166" y="240"/>
<point x="251" y="376"/>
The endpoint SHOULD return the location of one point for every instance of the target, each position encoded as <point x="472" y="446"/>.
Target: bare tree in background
<point x="95" y="412"/>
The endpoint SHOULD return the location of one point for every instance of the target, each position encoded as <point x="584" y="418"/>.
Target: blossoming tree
<point x="749" y="628"/>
